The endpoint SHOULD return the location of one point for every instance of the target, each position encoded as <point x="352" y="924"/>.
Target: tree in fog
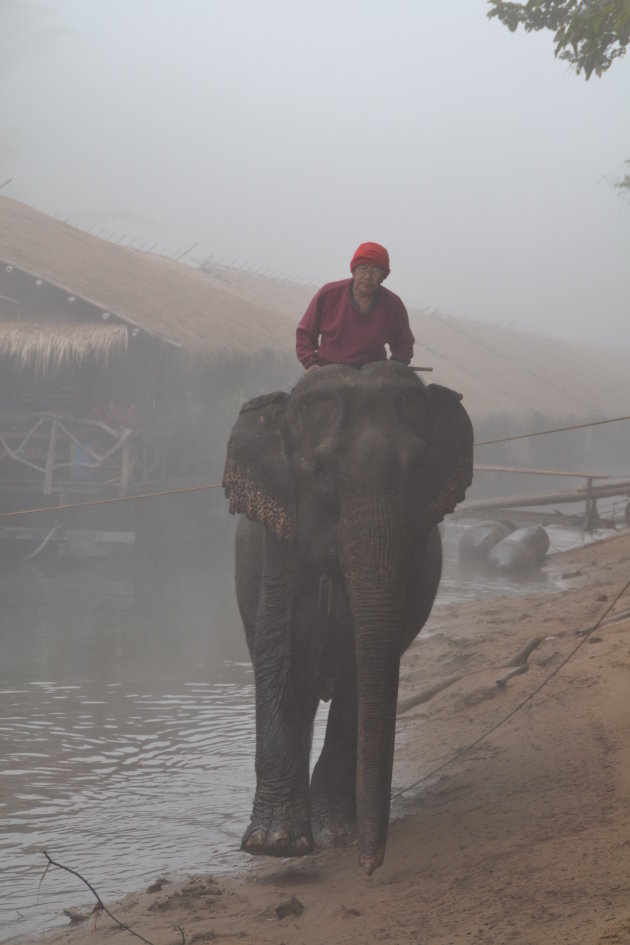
<point x="588" y="34"/>
<point x="624" y="183"/>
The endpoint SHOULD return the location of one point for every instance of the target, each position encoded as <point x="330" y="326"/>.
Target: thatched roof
<point x="511" y="371"/>
<point x="500" y="370"/>
<point x="170" y="301"/>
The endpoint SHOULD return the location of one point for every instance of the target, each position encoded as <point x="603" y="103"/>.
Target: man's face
<point x="367" y="278"/>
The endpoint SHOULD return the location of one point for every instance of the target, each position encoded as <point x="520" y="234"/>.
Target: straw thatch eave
<point x="49" y="343"/>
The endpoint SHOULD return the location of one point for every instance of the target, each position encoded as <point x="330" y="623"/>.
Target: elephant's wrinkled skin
<point x="342" y="484"/>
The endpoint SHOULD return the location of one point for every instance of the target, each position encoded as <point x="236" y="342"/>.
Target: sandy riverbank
<point x="524" y="839"/>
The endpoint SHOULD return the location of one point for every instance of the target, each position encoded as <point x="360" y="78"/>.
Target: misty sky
<point x="280" y="134"/>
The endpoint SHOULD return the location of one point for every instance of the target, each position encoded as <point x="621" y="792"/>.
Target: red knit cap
<point x="371" y="253"/>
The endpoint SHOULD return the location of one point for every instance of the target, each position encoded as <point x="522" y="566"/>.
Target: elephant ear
<point x="451" y="442"/>
<point x="257" y="478"/>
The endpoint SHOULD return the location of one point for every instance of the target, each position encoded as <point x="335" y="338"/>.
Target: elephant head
<point x="352" y="470"/>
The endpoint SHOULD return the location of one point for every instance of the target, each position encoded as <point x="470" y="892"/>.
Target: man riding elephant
<point x="351" y="321"/>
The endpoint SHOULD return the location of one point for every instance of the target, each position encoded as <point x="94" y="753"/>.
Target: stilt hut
<point x="120" y="372"/>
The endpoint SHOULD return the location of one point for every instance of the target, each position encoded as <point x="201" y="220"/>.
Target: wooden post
<point x="125" y="471"/>
<point x="50" y="458"/>
<point x="590" y="509"/>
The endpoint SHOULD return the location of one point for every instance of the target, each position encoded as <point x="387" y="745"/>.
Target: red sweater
<point x="334" y="331"/>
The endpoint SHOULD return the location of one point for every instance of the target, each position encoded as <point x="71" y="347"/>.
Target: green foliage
<point x="589" y="34"/>
<point x="624" y="184"/>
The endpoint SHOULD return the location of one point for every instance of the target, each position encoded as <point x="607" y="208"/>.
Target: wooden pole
<point x="50" y="458"/>
<point x="125" y="472"/>
<point x="590" y="508"/>
<point x="543" y="498"/>
<point x="186" y="251"/>
<point x="541" y="472"/>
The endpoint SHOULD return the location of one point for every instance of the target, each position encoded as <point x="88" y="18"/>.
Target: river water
<point x="127" y="723"/>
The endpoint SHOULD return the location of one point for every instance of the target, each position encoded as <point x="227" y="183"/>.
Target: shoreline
<point x="524" y="837"/>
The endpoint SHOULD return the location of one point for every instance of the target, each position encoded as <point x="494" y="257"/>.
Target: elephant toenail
<point x="279" y="838"/>
<point x="255" y="840"/>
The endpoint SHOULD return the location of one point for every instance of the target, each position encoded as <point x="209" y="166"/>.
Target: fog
<point x="279" y="135"/>
<point x="274" y="136"/>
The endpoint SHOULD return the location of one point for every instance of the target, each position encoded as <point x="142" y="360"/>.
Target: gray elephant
<point x="341" y="485"/>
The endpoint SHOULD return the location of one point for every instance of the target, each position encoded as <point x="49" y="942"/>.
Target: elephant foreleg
<point x="333" y="784"/>
<point x="285" y="708"/>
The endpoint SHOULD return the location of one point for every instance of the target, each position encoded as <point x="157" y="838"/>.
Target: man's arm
<point x="307" y="335"/>
<point x="402" y="341"/>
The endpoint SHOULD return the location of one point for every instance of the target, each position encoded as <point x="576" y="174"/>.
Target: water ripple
<point x="149" y="788"/>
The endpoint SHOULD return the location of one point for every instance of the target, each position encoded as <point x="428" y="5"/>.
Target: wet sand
<point x="523" y="838"/>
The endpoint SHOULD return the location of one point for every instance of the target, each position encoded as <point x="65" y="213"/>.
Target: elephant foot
<point x="280" y="831"/>
<point x="334" y="822"/>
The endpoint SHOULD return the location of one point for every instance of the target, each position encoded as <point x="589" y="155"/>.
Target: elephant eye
<point x="410" y="406"/>
<point x="324" y="477"/>
<point x="322" y="471"/>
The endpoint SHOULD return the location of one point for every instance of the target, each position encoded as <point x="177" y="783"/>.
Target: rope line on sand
<point x="464" y="751"/>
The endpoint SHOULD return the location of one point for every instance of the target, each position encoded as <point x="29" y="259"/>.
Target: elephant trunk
<point x="374" y="548"/>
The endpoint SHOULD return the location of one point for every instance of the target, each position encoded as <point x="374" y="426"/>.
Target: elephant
<point x="340" y="486"/>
